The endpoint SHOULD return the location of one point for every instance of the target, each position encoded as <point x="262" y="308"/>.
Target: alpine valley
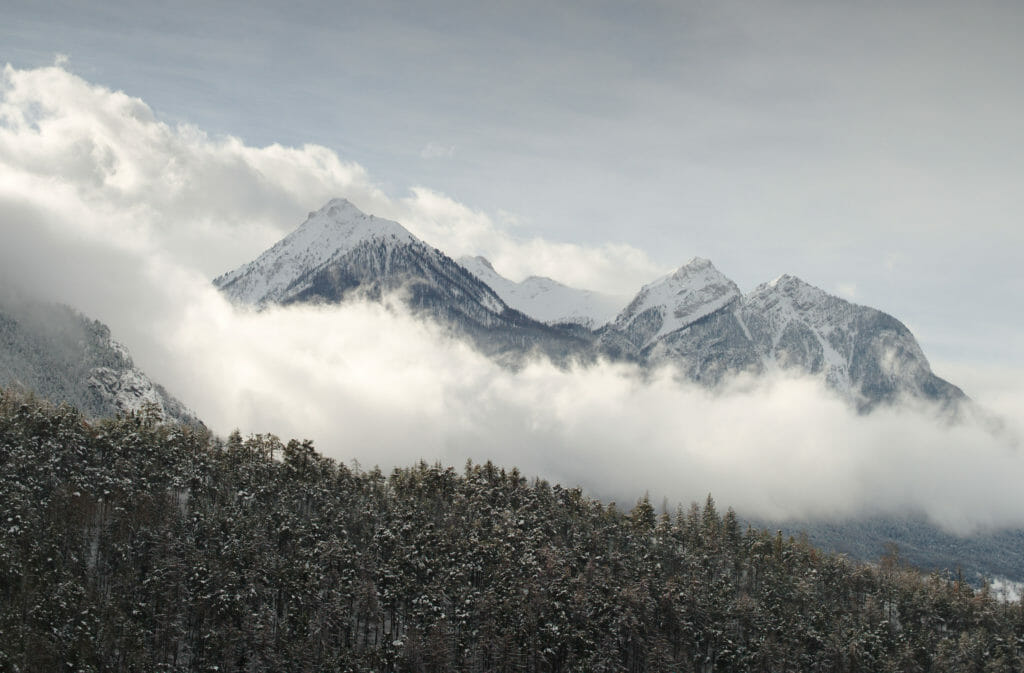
<point x="694" y="320"/>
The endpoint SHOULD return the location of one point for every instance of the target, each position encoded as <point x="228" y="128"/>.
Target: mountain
<point x="60" y="355"/>
<point x="545" y="299"/>
<point x="864" y="353"/>
<point x="688" y="318"/>
<point x="697" y="319"/>
<point x="337" y="235"/>
<point x="340" y="252"/>
<point x="676" y="301"/>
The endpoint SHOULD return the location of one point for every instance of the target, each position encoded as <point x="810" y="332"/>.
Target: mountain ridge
<point x="694" y="318"/>
<point x="546" y="299"/>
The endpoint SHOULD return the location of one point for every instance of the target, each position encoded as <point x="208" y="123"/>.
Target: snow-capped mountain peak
<point x="334" y="230"/>
<point x="545" y="299"/>
<point x="684" y="296"/>
<point x="340" y="254"/>
<point x="793" y="290"/>
<point x="476" y="262"/>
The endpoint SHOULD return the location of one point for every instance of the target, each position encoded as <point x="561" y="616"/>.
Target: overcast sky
<point x="873" y="148"/>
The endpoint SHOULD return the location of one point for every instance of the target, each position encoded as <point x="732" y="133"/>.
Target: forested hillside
<point x="132" y="545"/>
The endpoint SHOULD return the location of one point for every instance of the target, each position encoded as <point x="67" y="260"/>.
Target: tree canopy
<point x="134" y="545"/>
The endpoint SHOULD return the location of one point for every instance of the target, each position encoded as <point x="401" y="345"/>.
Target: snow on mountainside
<point x="283" y="271"/>
<point x="63" y="356"/>
<point x="695" y="318"/>
<point x="339" y="253"/>
<point x="684" y="296"/>
<point x="545" y="299"/>
<point x="866" y="354"/>
<point x="778" y="310"/>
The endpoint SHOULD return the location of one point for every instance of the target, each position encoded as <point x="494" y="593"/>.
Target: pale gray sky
<point x="872" y="148"/>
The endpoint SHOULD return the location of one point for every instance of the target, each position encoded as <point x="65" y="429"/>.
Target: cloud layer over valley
<point x="108" y="209"/>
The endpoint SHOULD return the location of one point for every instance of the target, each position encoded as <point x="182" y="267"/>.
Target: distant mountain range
<point x="695" y="318"/>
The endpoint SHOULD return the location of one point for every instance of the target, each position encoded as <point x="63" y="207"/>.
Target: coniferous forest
<point x="133" y="545"/>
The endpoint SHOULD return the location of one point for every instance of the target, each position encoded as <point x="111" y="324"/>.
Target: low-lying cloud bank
<point x="370" y="382"/>
<point x="106" y="208"/>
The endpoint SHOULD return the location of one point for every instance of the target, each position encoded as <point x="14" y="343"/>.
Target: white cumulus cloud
<point x="220" y="202"/>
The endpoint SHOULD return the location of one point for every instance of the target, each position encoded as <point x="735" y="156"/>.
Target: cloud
<point x="216" y="202"/>
<point x="616" y="269"/>
<point x="434" y="150"/>
<point x="371" y="383"/>
<point x="107" y="208"/>
<point x="847" y="290"/>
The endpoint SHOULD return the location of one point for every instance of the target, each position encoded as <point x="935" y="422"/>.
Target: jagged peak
<point x="698" y="263"/>
<point x="337" y="228"/>
<point x="340" y="222"/>
<point x="696" y="274"/>
<point x="336" y="206"/>
<point x="788" y="280"/>
<point x="792" y="286"/>
<point x="689" y="293"/>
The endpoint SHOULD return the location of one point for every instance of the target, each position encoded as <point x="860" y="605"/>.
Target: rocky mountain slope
<point x="697" y="319"/>
<point x="60" y="355"/>
<point x="339" y="253"/>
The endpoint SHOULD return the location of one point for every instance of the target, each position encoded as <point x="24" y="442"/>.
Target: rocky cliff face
<point x="59" y="354"/>
<point x="697" y="319"/>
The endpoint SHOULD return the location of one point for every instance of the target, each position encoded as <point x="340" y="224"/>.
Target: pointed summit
<point x="691" y="292"/>
<point x="698" y="263"/>
<point x="340" y="254"/>
<point x="476" y="262"/>
<point x="791" y="290"/>
<point x="339" y="226"/>
<point x="335" y="230"/>
<point x="338" y="202"/>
